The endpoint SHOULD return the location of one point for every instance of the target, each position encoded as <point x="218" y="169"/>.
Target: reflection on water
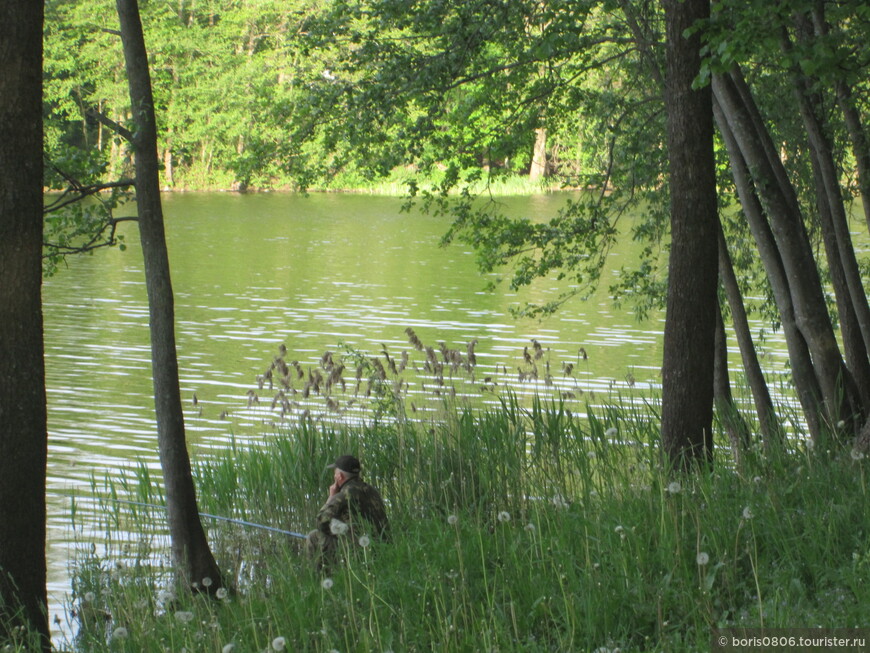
<point x="317" y="273"/>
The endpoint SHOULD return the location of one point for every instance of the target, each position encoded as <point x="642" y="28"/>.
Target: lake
<point x="328" y="272"/>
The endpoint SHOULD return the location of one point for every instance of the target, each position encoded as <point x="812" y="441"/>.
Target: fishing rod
<point x="231" y="520"/>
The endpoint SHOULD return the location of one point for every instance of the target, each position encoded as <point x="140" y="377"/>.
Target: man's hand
<point x="333" y="489"/>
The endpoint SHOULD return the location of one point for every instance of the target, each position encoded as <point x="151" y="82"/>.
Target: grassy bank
<point x="513" y="530"/>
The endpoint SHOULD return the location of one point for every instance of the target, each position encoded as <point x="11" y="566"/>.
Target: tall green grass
<point x="513" y="530"/>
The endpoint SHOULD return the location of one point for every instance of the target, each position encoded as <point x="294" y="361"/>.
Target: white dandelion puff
<point x="857" y="455"/>
<point x="530" y="527"/>
<point x="590" y="455"/>
<point x="228" y="648"/>
<point x="337" y="527"/>
<point x="452" y="520"/>
<point x="278" y="644"/>
<point x="221" y="593"/>
<point x="747" y="513"/>
<point x="326" y="583"/>
<point x="364" y="541"/>
<point x="184" y="616"/>
<point x="165" y="596"/>
<point x="612" y="432"/>
<point x="674" y="487"/>
<point x="207" y="582"/>
<point x="504" y="516"/>
<point x="90" y="597"/>
<point x="703" y="558"/>
<point x="120" y="633"/>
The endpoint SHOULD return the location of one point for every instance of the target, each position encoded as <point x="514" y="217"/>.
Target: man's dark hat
<point x="348" y="464"/>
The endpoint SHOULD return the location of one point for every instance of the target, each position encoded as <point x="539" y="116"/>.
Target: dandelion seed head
<point x="337" y="527"/>
<point x="530" y="527"/>
<point x="747" y="513"/>
<point x="165" y="596"/>
<point x="364" y="541"/>
<point x="452" y="519"/>
<point x="120" y="633"/>
<point x="674" y="487"/>
<point x="612" y="432"/>
<point x="504" y="516"/>
<point x="590" y="454"/>
<point x="184" y="616"/>
<point x="703" y="558"/>
<point x="207" y="582"/>
<point x="841" y="424"/>
<point x="89" y="597"/>
<point x="228" y="648"/>
<point x="326" y="583"/>
<point x="278" y="644"/>
<point x="857" y="455"/>
<point x="221" y="593"/>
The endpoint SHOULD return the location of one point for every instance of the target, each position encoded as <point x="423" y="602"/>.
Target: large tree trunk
<point x="687" y="369"/>
<point x="840" y="396"/>
<point x="192" y="557"/>
<point x="23" y="431"/>
<point x="771" y="432"/>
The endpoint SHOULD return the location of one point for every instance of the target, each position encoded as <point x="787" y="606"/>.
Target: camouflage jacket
<point x="355" y="501"/>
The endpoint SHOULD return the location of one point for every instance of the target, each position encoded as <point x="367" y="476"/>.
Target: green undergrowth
<point x="513" y="530"/>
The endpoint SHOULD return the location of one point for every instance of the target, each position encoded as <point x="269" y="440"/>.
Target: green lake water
<point x="316" y="273"/>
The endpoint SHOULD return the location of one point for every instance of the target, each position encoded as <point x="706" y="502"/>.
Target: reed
<point x="515" y="529"/>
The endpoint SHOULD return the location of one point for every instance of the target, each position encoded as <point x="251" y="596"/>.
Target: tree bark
<point x="840" y="397"/>
<point x="191" y="555"/>
<point x="840" y="253"/>
<point x="23" y="430"/>
<point x="771" y="432"/>
<point x="729" y="415"/>
<point x="852" y="118"/>
<point x="806" y="384"/>
<point x="689" y="338"/>
<point x="538" y="167"/>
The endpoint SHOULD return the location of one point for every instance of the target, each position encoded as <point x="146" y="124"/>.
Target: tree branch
<point x="125" y="133"/>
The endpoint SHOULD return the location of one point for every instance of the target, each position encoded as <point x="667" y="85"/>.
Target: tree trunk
<point x="191" y="555"/>
<point x="807" y="385"/>
<point x="771" y="432"/>
<point x="729" y="415"/>
<point x="538" y="167"/>
<point x="689" y="338"/>
<point x="852" y="118"/>
<point x="23" y="431"/>
<point x="839" y="394"/>
<point x="841" y="254"/>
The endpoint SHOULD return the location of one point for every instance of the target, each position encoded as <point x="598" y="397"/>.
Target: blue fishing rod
<point x="231" y="520"/>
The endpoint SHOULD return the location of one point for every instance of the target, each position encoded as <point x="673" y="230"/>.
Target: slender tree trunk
<point x="23" y="431"/>
<point x="689" y="339"/>
<point x="192" y="557"/>
<point x="807" y="385"/>
<point x="729" y="415"/>
<point x="852" y="118"/>
<point x="841" y="254"/>
<point x="771" y="432"/>
<point x="841" y="401"/>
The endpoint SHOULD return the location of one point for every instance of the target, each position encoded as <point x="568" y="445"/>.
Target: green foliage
<point x="533" y="530"/>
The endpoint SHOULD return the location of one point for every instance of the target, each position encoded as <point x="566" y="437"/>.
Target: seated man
<point x="354" y="508"/>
